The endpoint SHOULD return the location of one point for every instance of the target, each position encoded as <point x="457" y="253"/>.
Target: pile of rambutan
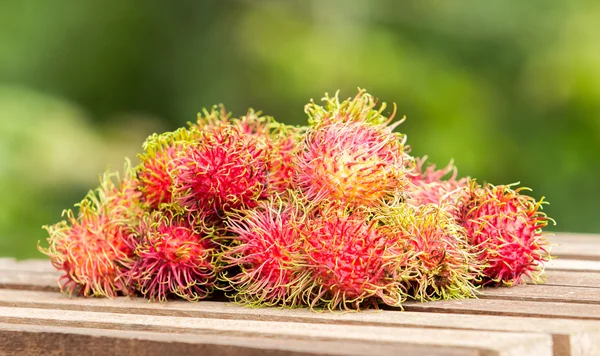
<point x="333" y="215"/>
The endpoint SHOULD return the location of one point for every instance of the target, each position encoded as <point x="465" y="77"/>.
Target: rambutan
<point x="174" y="255"/>
<point x="440" y="264"/>
<point x="352" y="262"/>
<point x="283" y="169"/>
<point x="506" y="226"/>
<point x="266" y="249"/>
<point x="431" y="186"/>
<point x="222" y="171"/>
<point x="90" y="246"/>
<point x="157" y="162"/>
<point x="353" y="163"/>
<point x="280" y="139"/>
<point x="361" y="108"/>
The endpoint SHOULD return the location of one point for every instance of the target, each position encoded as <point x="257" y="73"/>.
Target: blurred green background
<point x="510" y="90"/>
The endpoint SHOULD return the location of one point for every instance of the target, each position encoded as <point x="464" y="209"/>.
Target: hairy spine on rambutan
<point x="353" y="163"/>
<point x="352" y="262"/>
<point x="284" y="165"/>
<point x="361" y="108"/>
<point x="506" y="226"/>
<point x="440" y="263"/>
<point x="90" y="246"/>
<point x="429" y="186"/>
<point x="222" y="171"/>
<point x="264" y="261"/>
<point x="157" y="162"/>
<point x="174" y="256"/>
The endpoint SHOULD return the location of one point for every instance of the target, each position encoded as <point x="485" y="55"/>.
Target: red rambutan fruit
<point x="361" y="108"/>
<point x="266" y="249"/>
<point x="281" y="140"/>
<point x="174" y="255"/>
<point x="506" y="226"/>
<point x="223" y="170"/>
<point x="353" y="163"/>
<point x="283" y="169"/>
<point x="440" y="263"/>
<point x="431" y="187"/>
<point x="352" y="262"/>
<point x="157" y="162"/>
<point x="90" y="246"/>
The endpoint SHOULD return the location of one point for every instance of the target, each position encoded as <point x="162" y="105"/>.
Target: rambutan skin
<point x="157" y="162"/>
<point x="87" y="247"/>
<point x="284" y="165"/>
<point x="431" y="186"/>
<point x="223" y="171"/>
<point x="361" y="108"/>
<point x="281" y="140"/>
<point x="352" y="163"/>
<point x="90" y="246"/>
<point x="439" y="263"/>
<point x="155" y="180"/>
<point x="507" y="227"/>
<point x="174" y="255"/>
<point x="266" y="247"/>
<point x="352" y="262"/>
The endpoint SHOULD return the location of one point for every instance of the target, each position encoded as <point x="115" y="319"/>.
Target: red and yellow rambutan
<point x="430" y="186"/>
<point x="283" y="141"/>
<point x="90" y="246"/>
<point x="506" y="226"/>
<point x="264" y="261"/>
<point x="223" y="170"/>
<point x="350" y="154"/>
<point x="283" y="169"/>
<point x="352" y="262"/>
<point x="361" y="108"/>
<point x="157" y="163"/>
<point x="174" y="256"/>
<point x="440" y="264"/>
<point x="353" y="163"/>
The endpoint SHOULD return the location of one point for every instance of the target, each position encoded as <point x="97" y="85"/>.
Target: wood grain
<point x="510" y="308"/>
<point x="576" y="246"/>
<point x="566" y="333"/>
<point x="42" y="281"/>
<point x="492" y="343"/>
<point x="545" y="293"/>
<point x="561" y="264"/>
<point x="573" y="279"/>
<point x="41" y="340"/>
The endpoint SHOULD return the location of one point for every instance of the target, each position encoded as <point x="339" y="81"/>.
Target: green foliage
<point x="510" y="90"/>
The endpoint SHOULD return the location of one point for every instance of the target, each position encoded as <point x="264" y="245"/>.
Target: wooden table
<point x="561" y="317"/>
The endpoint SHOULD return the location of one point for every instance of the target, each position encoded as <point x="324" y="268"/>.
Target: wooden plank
<point x="573" y="279"/>
<point x="573" y="237"/>
<point x="577" y="251"/>
<point x="488" y="343"/>
<point x="35" y="274"/>
<point x="567" y="334"/>
<point x="510" y="308"/>
<point x="40" y="275"/>
<point x="48" y="281"/>
<point x="544" y="293"/>
<point x="559" y="264"/>
<point x="5" y="261"/>
<point x="29" y="280"/>
<point x="576" y="246"/>
<point x="39" y="340"/>
<point x="31" y="265"/>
